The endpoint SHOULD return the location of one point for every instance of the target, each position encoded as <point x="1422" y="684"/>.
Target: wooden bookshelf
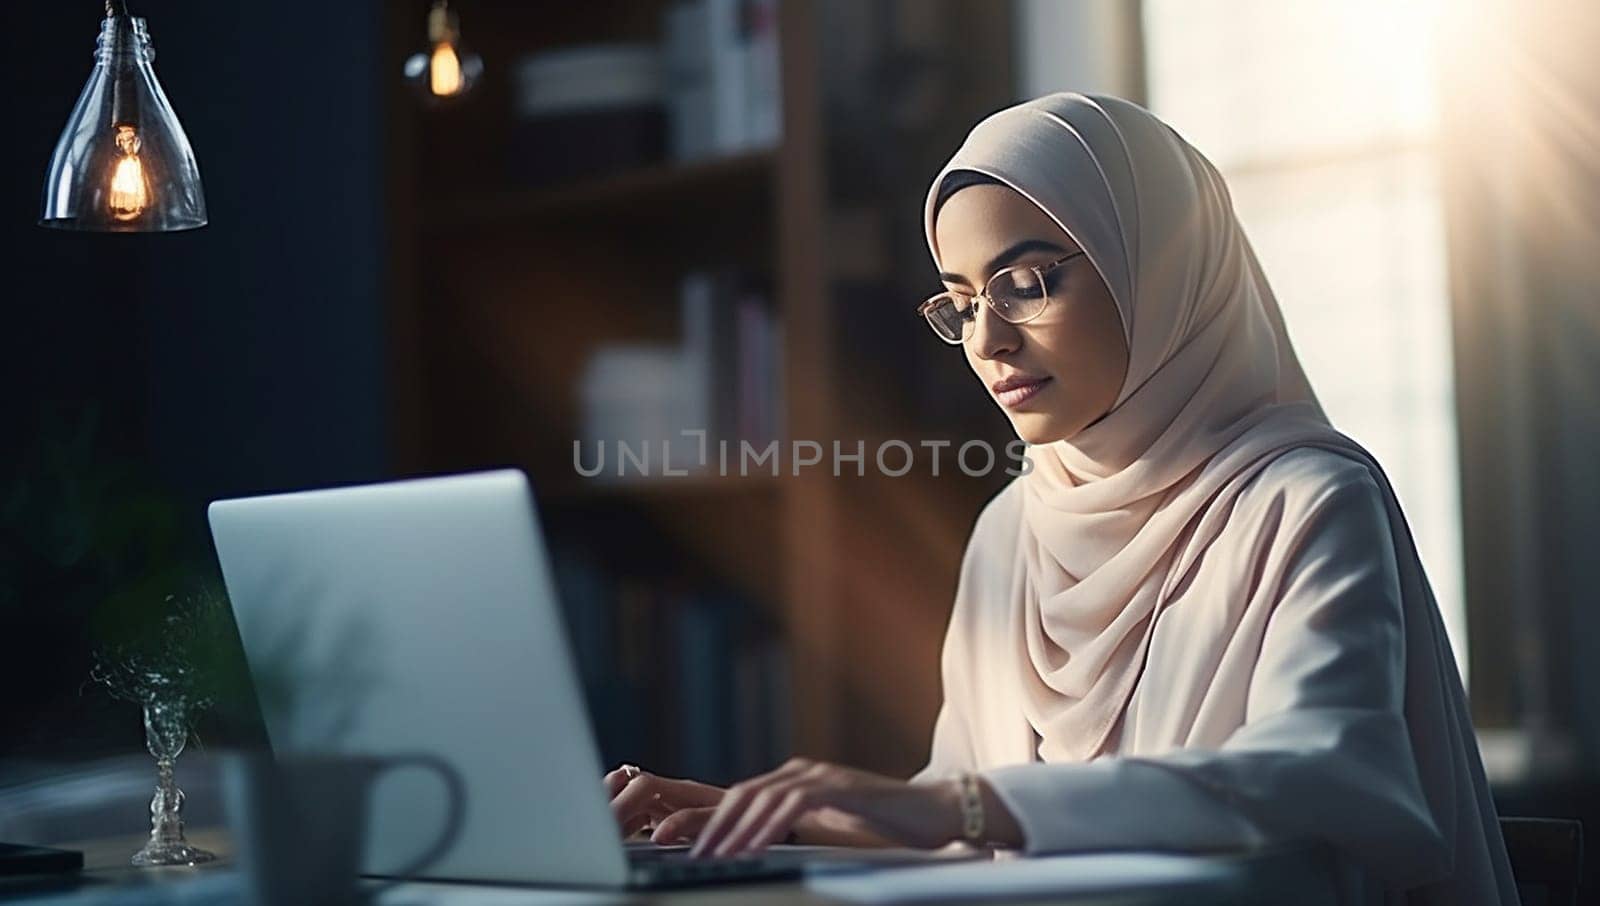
<point x="734" y="488"/>
<point x="496" y="307"/>
<point x="648" y="193"/>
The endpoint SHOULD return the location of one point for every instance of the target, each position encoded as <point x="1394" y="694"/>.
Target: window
<point x="1320" y="115"/>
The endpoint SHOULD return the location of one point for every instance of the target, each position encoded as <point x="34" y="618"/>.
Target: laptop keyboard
<point x="674" y="867"/>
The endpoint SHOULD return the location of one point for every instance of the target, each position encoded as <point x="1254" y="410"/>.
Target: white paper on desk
<point x="1042" y="875"/>
<point x="425" y="893"/>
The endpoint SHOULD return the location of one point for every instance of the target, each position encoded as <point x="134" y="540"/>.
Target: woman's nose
<point x="991" y="334"/>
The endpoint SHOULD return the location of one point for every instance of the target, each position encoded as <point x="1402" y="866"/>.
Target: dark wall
<point x="266" y="330"/>
<point x="246" y="356"/>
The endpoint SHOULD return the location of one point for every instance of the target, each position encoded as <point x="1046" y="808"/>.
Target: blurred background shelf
<point x="786" y="268"/>
<point x="742" y="181"/>
<point x="732" y="489"/>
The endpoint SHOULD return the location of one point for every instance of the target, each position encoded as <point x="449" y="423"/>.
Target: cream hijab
<point x="1116" y="516"/>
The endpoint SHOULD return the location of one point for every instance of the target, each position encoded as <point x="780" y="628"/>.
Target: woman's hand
<point x="640" y="799"/>
<point x="755" y="813"/>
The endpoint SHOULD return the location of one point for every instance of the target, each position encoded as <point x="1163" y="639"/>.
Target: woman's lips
<point x="1017" y="393"/>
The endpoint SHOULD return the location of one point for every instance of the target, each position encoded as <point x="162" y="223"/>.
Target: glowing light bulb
<point x="444" y="71"/>
<point x="130" y="193"/>
<point x="122" y="163"/>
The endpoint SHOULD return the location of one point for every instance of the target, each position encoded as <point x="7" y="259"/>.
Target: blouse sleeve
<point x="1323" y="753"/>
<point x="951" y="747"/>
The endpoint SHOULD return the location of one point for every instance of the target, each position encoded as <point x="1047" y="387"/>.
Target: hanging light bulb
<point x="130" y="194"/>
<point x="444" y="71"/>
<point x="122" y="163"/>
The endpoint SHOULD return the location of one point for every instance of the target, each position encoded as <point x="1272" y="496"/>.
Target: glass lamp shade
<point x="122" y="163"/>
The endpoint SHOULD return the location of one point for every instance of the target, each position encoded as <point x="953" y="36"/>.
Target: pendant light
<point x="443" y="71"/>
<point x="123" y="164"/>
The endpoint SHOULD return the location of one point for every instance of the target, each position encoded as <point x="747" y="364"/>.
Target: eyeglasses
<point x="1017" y="295"/>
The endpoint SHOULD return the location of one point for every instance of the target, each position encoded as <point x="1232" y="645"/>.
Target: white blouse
<point x="1315" y="746"/>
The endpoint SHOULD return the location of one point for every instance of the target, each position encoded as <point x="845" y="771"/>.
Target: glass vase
<point x="166" y="729"/>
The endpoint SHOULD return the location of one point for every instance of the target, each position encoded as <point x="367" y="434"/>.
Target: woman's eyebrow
<point x="1006" y="257"/>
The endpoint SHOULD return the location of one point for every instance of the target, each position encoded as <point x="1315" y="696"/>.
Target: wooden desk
<point x="1296" y="875"/>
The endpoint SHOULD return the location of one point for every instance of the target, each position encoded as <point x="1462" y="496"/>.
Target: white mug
<point x="299" y="823"/>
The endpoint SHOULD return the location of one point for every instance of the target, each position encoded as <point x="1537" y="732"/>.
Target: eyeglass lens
<point x="1016" y="295"/>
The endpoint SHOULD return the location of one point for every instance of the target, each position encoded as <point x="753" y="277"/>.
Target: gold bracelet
<point x="971" y="808"/>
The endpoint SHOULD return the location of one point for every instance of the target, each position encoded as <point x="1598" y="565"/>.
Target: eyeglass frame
<point x="1039" y="270"/>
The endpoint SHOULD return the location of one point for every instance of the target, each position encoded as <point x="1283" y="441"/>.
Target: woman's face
<point x="1067" y="364"/>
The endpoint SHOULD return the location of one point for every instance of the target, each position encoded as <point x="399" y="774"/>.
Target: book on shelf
<point x="635" y="403"/>
<point x="733" y="344"/>
<point x="726" y="662"/>
<point x="724" y="93"/>
<point x="642" y="407"/>
<point x="701" y="642"/>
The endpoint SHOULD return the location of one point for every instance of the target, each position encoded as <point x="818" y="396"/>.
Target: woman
<point x="1199" y="620"/>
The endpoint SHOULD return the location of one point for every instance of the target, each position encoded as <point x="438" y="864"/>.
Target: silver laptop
<point x="420" y="616"/>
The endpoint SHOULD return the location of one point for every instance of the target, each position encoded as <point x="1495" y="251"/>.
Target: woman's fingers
<point x="738" y="800"/>
<point x="794" y="804"/>
<point x="758" y="812"/>
<point x="651" y="796"/>
<point x="683" y="825"/>
<point x="640" y="797"/>
<point x="764" y="807"/>
<point x="689" y="793"/>
<point x="616" y="780"/>
<point x="635" y="823"/>
<point x="781" y="798"/>
<point x="755" y="815"/>
<point x="685" y="792"/>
